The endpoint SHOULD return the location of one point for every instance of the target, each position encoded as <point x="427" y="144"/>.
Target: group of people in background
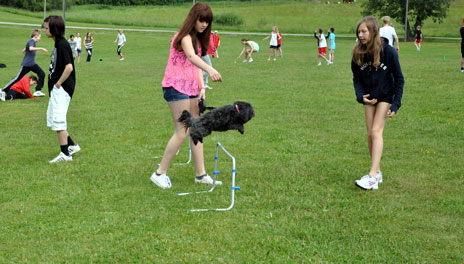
<point x="275" y="46"/>
<point x="322" y="46"/>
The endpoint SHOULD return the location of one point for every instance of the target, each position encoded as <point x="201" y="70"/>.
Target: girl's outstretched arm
<point x="189" y="51"/>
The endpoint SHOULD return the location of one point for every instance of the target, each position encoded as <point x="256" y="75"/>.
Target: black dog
<point x="228" y="117"/>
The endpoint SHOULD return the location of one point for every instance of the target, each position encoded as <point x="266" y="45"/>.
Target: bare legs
<point x="319" y="56"/>
<point x="179" y="136"/>
<point x="271" y="50"/>
<point x="376" y="117"/>
<point x="62" y="137"/>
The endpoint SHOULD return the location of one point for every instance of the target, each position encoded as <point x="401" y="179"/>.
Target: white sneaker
<point x="73" y="149"/>
<point x="367" y="182"/>
<point x="327" y="62"/>
<point x="275" y="59"/>
<point x="269" y="59"/>
<point x="206" y="179"/>
<point x="244" y="60"/>
<point x="319" y="64"/>
<point x="122" y="58"/>
<point x="161" y="180"/>
<point x="462" y="70"/>
<point x="61" y="157"/>
<point x="2" y="95"/>
<point x="38" y="94"/>
<point x="250" y="60"/>
<point x="379" y="177"/>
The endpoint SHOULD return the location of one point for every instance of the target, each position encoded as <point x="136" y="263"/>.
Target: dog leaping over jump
<point x="228" y="117"/>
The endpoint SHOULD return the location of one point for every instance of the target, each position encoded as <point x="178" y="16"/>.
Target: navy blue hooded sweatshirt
<point x="383" y="81"/>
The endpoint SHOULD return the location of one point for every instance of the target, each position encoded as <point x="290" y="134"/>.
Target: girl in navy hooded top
<point x="378" y="83"/>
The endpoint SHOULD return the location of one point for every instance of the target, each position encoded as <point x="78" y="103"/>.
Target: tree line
<point x="37" y="5"/>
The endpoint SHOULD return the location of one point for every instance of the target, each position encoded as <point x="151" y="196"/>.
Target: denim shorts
<point x="170" y="94"/>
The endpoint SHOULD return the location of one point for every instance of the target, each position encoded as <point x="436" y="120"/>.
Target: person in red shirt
<point x="217" y="43"/>
<point x="279" y="42"/>
<point x="22" y="89"/>
<point x="207" y="60"/>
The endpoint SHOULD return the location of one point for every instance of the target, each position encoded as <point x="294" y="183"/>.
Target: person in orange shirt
<point x="22" y="89"/>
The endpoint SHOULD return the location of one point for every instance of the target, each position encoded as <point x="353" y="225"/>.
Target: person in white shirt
<point x="121" y="39"/>
<point x="273" y="43"/>
<point x="79" y="46"/>
<point x="389" y="32"/>
<point x="322" y="48"/>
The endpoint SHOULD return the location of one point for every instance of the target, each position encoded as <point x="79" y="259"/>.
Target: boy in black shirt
<point x="61" y="83"/>
<point x="462" y="46"/>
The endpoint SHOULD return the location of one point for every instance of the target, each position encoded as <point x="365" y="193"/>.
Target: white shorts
<point x="57" y="109"/>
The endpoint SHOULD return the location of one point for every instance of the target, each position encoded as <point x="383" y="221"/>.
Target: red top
<point x="279" y="40"/>
<point x="211" y="48"/>
<point x="23" y="86"/>
<point x="216" y="41"/>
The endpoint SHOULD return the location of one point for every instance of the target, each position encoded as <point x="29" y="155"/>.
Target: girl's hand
<point x="202" y="94"/>
<point x="390" y="113"/>
<point x="215" y="75"/>
<point x="45" y="50"/>
<point x="367" y="101"/>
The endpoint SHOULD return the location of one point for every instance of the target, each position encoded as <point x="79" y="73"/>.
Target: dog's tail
<point x="186" y="118"/>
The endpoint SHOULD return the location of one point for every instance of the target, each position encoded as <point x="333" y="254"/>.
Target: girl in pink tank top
<point x="183" y="86"/>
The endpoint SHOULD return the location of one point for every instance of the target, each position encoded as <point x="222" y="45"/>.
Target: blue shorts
<point x="170" y="94"/>
<point x="79" y="51"/>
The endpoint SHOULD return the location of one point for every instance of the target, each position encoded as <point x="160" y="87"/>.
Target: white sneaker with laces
<point x="367" y="182"/>
<point x="73" y="149"/>
<point x="2" y="95"/>
<point x="206" y="179"/>
<point x="379" y="177"/>
<point x="38" y="94"/>
<point x="319" y="64"/>
<point x="161" y="180"/>
<point x="250" y="60"/>
<point x="61" y="157"/>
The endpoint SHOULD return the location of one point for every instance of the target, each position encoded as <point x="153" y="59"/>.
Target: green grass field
<point x="293" y="16"/>
<point x="296" y="162"/>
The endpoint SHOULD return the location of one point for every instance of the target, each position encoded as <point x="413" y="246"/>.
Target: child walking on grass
<point x="378" y="83"/>
<point x="61" y="84"/>
<point x="183" y="86"/>
<point x="418" y="38"/>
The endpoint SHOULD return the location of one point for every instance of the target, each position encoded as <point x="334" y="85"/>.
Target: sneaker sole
<point x="373" y="188"/>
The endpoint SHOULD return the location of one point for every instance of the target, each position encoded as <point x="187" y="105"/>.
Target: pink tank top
<point x="180" y="73"/>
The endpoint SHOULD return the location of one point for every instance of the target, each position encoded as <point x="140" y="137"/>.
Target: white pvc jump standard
<point x="216" y="172"/>
<point x="190" y="154"/>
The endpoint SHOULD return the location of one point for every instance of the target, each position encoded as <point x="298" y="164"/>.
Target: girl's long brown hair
<point x="200" y="11"/>
<point x="373" y="47"/>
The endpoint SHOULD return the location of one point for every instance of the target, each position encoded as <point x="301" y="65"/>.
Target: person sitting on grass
<point x="22" y="89"/>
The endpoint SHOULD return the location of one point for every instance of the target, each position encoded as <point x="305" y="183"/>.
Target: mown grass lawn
<point x="296" y="162"/>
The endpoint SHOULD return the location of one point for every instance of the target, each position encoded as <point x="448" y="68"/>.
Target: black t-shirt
<point x="419" y="34"/>
<point x="462" y="35"/>
<point x="62" y="56"/>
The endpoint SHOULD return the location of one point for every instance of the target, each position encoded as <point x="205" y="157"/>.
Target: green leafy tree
<point x="418" y="10"/>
